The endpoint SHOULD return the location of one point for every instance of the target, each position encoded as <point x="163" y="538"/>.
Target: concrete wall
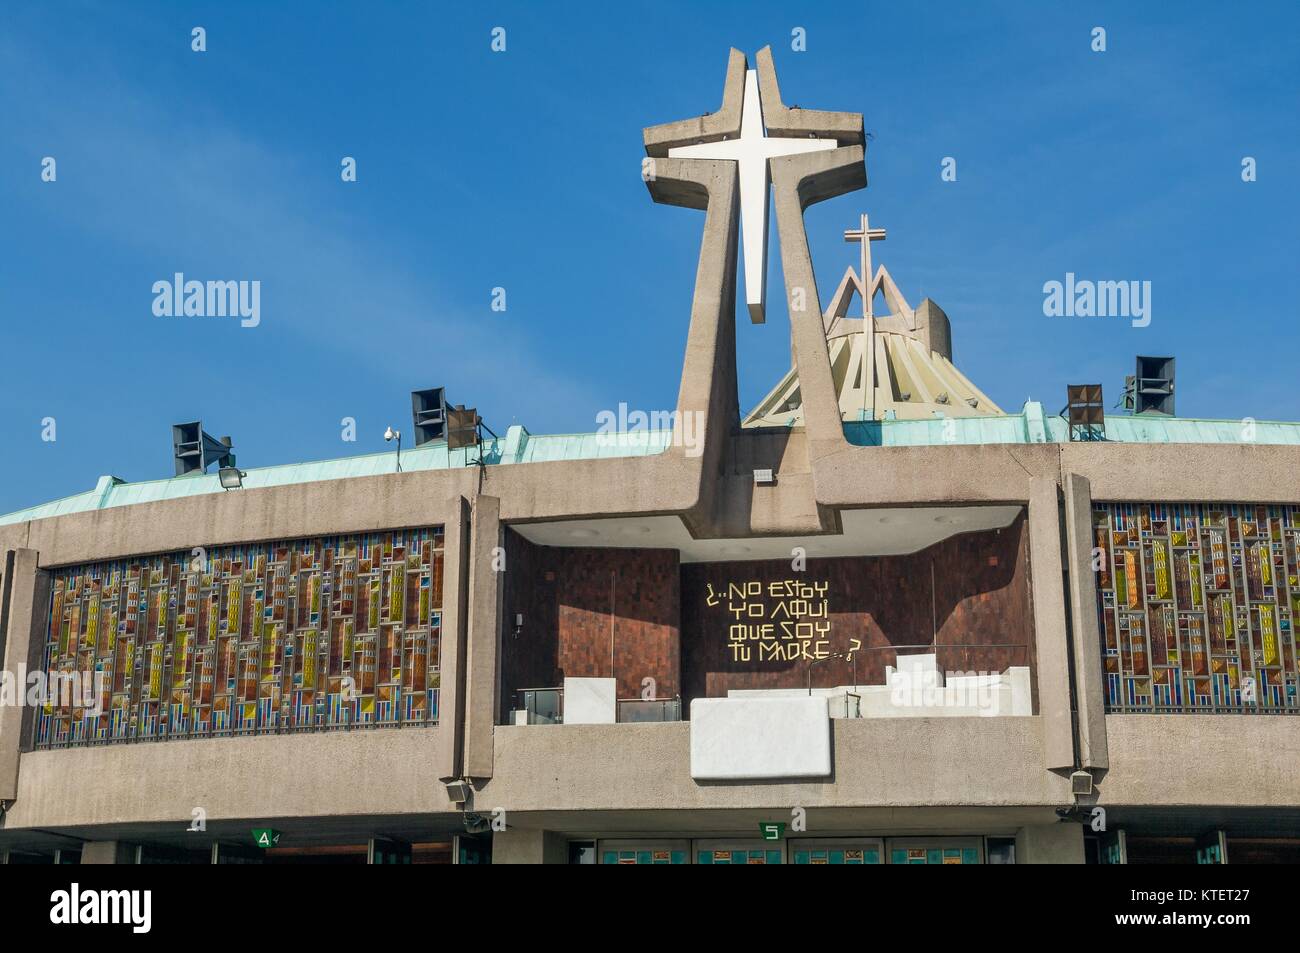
<point x="876" y="763"/>
<point x="26" y="593"/>
<point x="1226" y="760"/>
<point x="1050" y="844"/>
<point x="382" y="771"/>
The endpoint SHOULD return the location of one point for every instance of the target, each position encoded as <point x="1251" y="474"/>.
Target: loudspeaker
<point x="429" y="414"/>
<point x="1153" y="386"/>
<point x="193" y="450"/>
<point x="1086" y="412"/>
<point x="462" y="428"/>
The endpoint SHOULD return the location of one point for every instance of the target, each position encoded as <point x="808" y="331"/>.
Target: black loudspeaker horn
<point x="429" y="414"/>
<point x="194" y="450"/>
<point x="1153" y="386"/>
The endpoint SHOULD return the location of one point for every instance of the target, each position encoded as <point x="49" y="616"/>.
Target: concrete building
<point x="875" y="620"/>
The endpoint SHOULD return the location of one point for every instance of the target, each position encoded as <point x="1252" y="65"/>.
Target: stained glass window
<point x="334" y="632"/>
<point x="1196" y="603"/>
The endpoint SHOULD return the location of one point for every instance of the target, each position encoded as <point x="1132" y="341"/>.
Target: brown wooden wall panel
<point x="980" y="613"/>
<point x="568" y="598"/>
<point x="969" y="595"/>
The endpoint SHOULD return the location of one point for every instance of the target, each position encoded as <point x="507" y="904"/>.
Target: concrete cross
<point x="751" y="151"/>
<point x="866" y="235"/>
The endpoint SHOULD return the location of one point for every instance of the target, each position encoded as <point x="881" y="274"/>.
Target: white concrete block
<point x="590" y="701"/>
<point x="1022" y="699"/>
<point x="757" y="738"/>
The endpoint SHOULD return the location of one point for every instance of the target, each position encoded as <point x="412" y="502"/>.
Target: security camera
<point x="390" y="433"/>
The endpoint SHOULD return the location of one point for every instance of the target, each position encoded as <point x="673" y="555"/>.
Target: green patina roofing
<point x="517" y="446"/>
<point x="1031" y="425"/>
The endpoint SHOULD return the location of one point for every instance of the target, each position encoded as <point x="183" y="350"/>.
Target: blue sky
<point x="522" y="170"/>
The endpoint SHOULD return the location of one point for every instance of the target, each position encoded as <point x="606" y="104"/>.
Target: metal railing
<point x="542" y="706"/>
<point x="867" y="666"/>
<point x="640" y="710"/>
<point x="187" y="731"/>
<point x="545" y="706"/>
<point x="1246" y="708"/>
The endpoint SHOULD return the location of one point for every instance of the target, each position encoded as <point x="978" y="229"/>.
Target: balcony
<point x="545" y="706"/>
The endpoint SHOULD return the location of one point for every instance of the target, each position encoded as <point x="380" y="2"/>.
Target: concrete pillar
<point x="455" y="615"/>
<point x="529" y="847"/>
<point x="481" y="663"/>
<point x="1051" y="643"/>
<point x="707" y="395"/>
<point x="1089" y="688"/>
<point x="1050" y="844"/>
<point x="107" y="852"/>
<point x="797" y="182"/>
<point x="23" y="615"/>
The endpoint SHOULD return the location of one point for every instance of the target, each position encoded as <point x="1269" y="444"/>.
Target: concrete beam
<point x="1089" y="683"/>
<point x="899" y="476"/>
<point x="710" y="127"/>
<point x="107" y="852"/>
<point x="1185" y="472"/>
<point x="794" y="123"/>
<point x="529" y="847"/>
<point x="1051" y="643"/>
<point x="797" y="182"/>
<point x="1050" y="844"/>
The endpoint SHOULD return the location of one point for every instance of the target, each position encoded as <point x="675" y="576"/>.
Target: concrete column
<point x="481" y="662"/>
<point x="1050" y="638"/>
<point x="455" y="615"/>
<point x="707" y="396"/>
<point x="797" y="182"/>
<point x="529" y="847"/>
<point x="1050" y="844"/>
<point x="1089" y="689"/>
<point x="107" y="852"/>
<point x="23" y="617"/>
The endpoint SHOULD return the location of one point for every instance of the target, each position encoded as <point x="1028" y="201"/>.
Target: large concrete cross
<point x="828" y="160"/>
<point x="752" y="151"/>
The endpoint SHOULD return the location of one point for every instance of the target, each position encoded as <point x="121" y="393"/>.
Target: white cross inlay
<point x="751" y="151"/>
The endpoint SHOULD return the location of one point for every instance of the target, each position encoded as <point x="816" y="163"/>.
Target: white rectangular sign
<point x="757" y="738"/>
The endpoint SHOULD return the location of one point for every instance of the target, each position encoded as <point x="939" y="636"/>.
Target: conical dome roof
<point x="898" y="364"/>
